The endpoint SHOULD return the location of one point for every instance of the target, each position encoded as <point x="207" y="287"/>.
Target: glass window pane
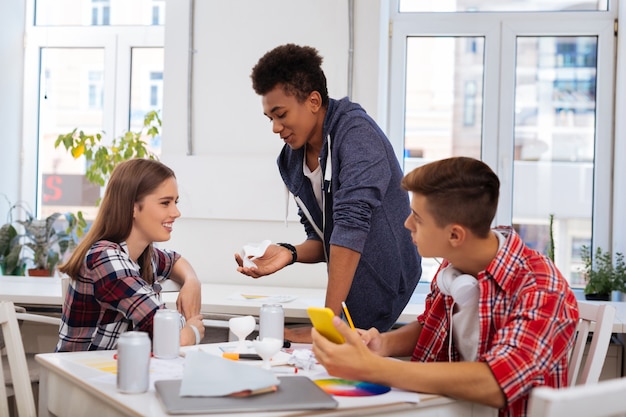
<point x="146" y="89"/>
<point x="500" y="5"/>
<point x="443" y="104"/>
<point x="71" y="97"/>
<point x="555" y="102"/>
<point x="99" y="12"/>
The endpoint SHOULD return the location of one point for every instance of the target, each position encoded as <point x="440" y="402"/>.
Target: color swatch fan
<point x="348" y="388"/>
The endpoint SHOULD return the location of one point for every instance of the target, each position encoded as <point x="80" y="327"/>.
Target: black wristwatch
<point x="292" y="249"/>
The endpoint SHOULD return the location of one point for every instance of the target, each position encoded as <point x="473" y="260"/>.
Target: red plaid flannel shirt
<point x="528" y="317"/>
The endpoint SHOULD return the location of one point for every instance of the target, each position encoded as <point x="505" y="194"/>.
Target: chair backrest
<point x="606" y="398"/>
<point x="596" y="318"/>
<point x="65" y="282"/>
<point x="17" y="364"/>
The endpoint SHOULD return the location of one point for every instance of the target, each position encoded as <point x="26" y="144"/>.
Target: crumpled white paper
<point x="251" y="251"/>
<point x="303" y="359"/>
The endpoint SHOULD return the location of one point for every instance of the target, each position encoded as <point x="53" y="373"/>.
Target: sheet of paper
<point x="207" y="375"/>
<point x="281" y="358"/>
<point x="159" y="369"/>
<point x="265" y="298"/>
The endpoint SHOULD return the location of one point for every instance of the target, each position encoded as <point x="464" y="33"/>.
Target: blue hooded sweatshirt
<point x="365" y="209"/>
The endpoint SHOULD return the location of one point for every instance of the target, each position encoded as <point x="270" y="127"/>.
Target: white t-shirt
<point x="316" y="180"/>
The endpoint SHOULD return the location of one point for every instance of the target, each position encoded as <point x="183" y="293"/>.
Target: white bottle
<point x="272" y="321"/>
<point x="133" y="362"/>
<point x="166" y="334"/>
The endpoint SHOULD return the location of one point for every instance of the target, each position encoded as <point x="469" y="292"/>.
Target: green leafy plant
<point x="9" y="252"/>
<point x="102" y="158"/>
<point x="603" y="272"/>
<point x="36" y="243"/>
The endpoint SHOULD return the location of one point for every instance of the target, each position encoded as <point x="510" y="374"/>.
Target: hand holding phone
<point x="322" y="319"/>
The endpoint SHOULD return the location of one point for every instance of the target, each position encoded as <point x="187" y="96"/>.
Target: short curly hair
<point x="298" y="69"/>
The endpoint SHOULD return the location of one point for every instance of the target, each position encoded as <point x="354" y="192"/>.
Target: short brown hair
<point x="458" y="190"/>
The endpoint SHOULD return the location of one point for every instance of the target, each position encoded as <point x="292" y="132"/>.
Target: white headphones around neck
<point x="463" y="288"/>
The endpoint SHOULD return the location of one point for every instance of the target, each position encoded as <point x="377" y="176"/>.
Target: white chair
<point x="32" y="365"/>
<point x="65" y="283"/>
<point x="17" y="364"/>
<point x="597" y="318"/>
<point x="604" y="399"/>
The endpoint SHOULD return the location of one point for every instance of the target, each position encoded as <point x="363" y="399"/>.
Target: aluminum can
<point x="133" y="362"/>
<point x="166" y="334"/>
<point x="272" y="321"/>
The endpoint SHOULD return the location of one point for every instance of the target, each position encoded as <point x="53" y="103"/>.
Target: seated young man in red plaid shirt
<point x="500" y="318"/>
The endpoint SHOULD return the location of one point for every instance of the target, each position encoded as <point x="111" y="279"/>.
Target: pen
<point x="238" y="356"/>
<point x="249" y="392"/>
<point x="347" y="313"/>
<point x="285" y="370"/>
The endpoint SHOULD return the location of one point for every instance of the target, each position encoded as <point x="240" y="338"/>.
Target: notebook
<point x="294" y="393"/>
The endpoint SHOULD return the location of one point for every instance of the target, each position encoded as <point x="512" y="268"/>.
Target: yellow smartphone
<point x="322" y="319"/>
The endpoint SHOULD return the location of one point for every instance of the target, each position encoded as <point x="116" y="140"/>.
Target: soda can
<point x="133" y="362"/>
<point x="166" y="334"/>
<point x="272" y="321"/>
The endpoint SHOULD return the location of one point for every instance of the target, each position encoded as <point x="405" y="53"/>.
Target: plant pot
<point x="598" y="297"/>
<point x="618" y="296"/>
<point x="33" y="272"/>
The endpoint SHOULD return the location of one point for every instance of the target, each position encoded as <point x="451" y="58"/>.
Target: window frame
<point x="117" y="43"/>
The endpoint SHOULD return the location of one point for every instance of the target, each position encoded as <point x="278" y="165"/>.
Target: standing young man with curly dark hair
<point x="345" y="177"/>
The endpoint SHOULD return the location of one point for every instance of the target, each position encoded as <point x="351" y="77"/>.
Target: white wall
<point x="231" y="193"/>
<point x="11" y="76"/>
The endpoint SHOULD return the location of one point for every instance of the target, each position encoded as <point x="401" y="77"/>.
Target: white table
<point x="216" y="298"/>
<point x="45" y="292"/>
<point x="70" y="387"/>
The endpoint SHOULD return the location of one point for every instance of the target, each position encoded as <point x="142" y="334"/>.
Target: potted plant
<point x="602" y="273"/>
<point x="37" y="245"/>
<point x="9" y="252"/>
<point x="46" y="242"/>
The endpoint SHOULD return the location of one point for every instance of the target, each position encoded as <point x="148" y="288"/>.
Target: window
<point x="499" y="5"/>
<point x="100" y="66"/>
<point x="146" y="84"/>
<point x="530" y="93"/>
<point x="158" y="12"/>
<point x="100" y="12"/>
<point x="64" y="13"/>
<point x="95" y="90"/>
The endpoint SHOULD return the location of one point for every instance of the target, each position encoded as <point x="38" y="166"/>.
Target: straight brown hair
<point x="130" y="182"/>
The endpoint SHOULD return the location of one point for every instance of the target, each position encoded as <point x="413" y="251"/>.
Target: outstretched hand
<point x="274" y="259"/>
<point x="347" y="360"/>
